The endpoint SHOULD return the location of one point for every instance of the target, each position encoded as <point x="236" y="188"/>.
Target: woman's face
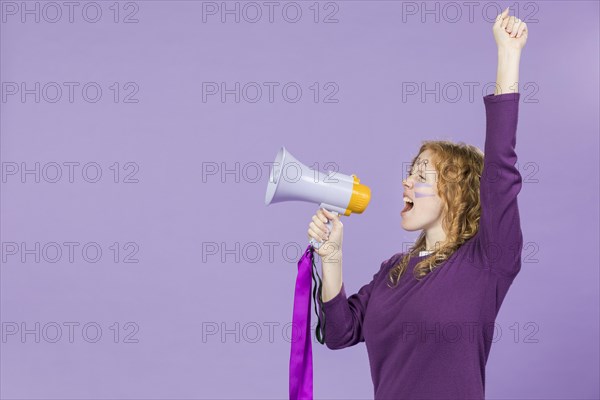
<point x="420" y="186"/>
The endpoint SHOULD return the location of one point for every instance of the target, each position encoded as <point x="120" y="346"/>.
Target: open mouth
<point x="408" y="205"/>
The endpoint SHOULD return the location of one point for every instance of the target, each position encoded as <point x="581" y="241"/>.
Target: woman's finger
<point x="511" y="24"/>
<point x="500" y="18"/>
<point x="331" y="215"/>
<point x="313" y="235"/>
<point x="505" y="22"/>
<point x="322" y="215"/>
<point x="516" y="27"/>
<point x="522" y="29"/>
<point x="320" y="233"/>
<point x="319" y="223"/>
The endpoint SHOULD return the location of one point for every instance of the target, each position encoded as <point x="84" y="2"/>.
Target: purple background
<point x="173" y="295"/>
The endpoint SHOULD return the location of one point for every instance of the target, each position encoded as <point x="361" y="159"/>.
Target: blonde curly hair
<point x="459" y="168"/>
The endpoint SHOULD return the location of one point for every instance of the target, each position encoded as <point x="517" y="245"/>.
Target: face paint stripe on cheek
<point x="423" y="195"/>
<point x="423" y="186"/>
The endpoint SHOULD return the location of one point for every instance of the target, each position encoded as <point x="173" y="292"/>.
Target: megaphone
<point x="291" y="180"/>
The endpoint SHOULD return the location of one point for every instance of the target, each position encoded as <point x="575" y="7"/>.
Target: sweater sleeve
<point x="344" y="316"/>
<point x="500" y="236"/>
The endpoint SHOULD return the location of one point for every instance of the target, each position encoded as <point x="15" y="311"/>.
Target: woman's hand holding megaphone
<point x="331" y="247"/>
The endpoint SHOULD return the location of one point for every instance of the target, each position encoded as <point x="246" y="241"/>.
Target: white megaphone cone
<point x="290" y="180"/>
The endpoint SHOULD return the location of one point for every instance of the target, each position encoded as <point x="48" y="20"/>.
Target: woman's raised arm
<point x="500" y="238"/>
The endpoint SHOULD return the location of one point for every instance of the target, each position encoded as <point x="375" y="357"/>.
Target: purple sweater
<point x="430" y="339"/>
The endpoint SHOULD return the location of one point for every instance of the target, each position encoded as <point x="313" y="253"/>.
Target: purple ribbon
<point x="301" y="365"/>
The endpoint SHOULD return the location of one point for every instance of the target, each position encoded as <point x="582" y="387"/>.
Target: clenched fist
<point x="510" y="32"/>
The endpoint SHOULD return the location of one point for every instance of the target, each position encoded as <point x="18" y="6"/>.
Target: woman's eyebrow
<point x="419" y="162"/>
<point x="422" y="163"/>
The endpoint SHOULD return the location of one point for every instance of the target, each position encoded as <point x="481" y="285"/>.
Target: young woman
<point x="427" y="317"/>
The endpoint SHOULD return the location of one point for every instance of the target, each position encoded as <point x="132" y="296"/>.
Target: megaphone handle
<point x="329" y="224"/>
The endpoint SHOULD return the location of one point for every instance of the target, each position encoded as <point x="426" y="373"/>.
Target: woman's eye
<point x="408" y="174"/>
